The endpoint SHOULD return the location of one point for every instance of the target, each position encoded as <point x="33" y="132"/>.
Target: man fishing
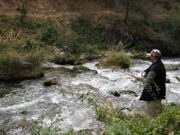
<point x="154" y="89"/>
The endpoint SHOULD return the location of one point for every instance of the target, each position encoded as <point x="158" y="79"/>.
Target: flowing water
<point x="61" y="106"/>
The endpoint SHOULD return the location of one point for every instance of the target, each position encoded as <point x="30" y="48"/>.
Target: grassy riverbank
<point x="117" y="123"/>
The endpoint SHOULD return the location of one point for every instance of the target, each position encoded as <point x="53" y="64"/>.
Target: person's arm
<point x="149" y="78"/>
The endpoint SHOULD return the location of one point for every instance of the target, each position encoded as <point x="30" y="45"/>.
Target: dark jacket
<point x="156" y="88"/>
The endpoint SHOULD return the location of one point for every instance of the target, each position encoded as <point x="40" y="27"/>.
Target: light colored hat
<point x="156" y="52"/>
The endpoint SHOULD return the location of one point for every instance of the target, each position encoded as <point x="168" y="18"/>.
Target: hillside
<point x="46" y="7"/>
<point x="147" y="25"/>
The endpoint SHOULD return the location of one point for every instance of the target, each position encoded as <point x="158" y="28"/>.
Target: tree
<point x="142" y="7"/>
<point x="23" y="10"/>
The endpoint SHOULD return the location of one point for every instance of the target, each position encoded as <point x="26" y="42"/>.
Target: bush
<point x="169" y="31"/>
<point x="89" y="32"/>
<point x="92" y="35"/>
<point x="14" y="67"/>
<point x="49" y="34"/>
<point x="9" y="63"/>
<point x="82" y="24"/>
<point x="173" y="24"/>
<point x="27" y="45"/>
<point x="116" y="59"/>
<point x="35" y="57"/>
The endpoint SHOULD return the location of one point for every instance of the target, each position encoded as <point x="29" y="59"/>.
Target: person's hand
<point x="138" y="76"/>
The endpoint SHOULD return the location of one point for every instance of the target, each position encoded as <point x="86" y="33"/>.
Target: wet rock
<point x="81" y="68"/>
<point x="172" y="67"/>
<point x="89" y="56"/>
<point x="115" y="93"/>
<point x="3" y="92"/>
<point x="24" y="112"/>
<point x="79" y="62"/>
<point x="69" y="47"/>
<point x="64" y="58"/>
<point x="125" y="109"/>
<point x="178" y="78"/>
<point x="85" y="57"/>
<point x="26" y="71"/>
<point x="27" y="65"/>
<point x="168" y="80"/>
<point x="127" y="92"/>
<point x="50" y="82"/>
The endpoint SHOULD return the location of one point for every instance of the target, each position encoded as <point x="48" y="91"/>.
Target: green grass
<point x="118" y="123"/>
<point x="39" y="130"/>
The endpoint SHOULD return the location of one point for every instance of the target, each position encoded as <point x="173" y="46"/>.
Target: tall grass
<point x="9" y="63"/>
<point x="15" y="65"/>
<point x="116" y="58"/>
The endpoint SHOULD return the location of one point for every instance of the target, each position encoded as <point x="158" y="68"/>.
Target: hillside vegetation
<point x="147" y="25"/>
<point x="84" y="26"/>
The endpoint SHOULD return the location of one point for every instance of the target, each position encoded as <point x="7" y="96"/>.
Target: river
<point x="61" y="106"/>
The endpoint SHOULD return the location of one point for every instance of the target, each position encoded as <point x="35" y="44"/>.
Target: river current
<point x="66" y="106"/>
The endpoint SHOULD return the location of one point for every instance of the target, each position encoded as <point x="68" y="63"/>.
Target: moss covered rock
<point x="49" y="82"/>
<point x="64" y="58"/>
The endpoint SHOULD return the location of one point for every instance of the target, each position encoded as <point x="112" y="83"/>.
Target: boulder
<point x="25" y="70"/>
<point x="178" y="78"/>
<point x="88" y="56"/>
<point x="115" y="93"/>
<point x="172" y="67"/>
<point x="69" y="47"/>
<point x="49" y="82"/>
<point x="64" y="58"/>
<point x="168" y="80"/>
<point x="81" y="68"/>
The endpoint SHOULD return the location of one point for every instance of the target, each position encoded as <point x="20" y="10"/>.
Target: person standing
<point x="154" y="89"/>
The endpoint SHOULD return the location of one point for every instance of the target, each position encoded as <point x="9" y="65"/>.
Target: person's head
<point x="155" y="55"/>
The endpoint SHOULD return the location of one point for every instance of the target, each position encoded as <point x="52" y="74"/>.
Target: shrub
<point x="49" y="34"/>
<point x="27" y="45"/>
<point x="173" y="24"/>
<point x="82" y="24"/>
<point x="89" y="32"/>
<point x="169" y="31"/>
<point x="35" y="57"/>
<point x="13" y="66"/>
<point x="116" y="59"/>
<point x="9" y="63"/>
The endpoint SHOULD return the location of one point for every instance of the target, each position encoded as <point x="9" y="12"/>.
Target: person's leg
<point x="153" y="108"/>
